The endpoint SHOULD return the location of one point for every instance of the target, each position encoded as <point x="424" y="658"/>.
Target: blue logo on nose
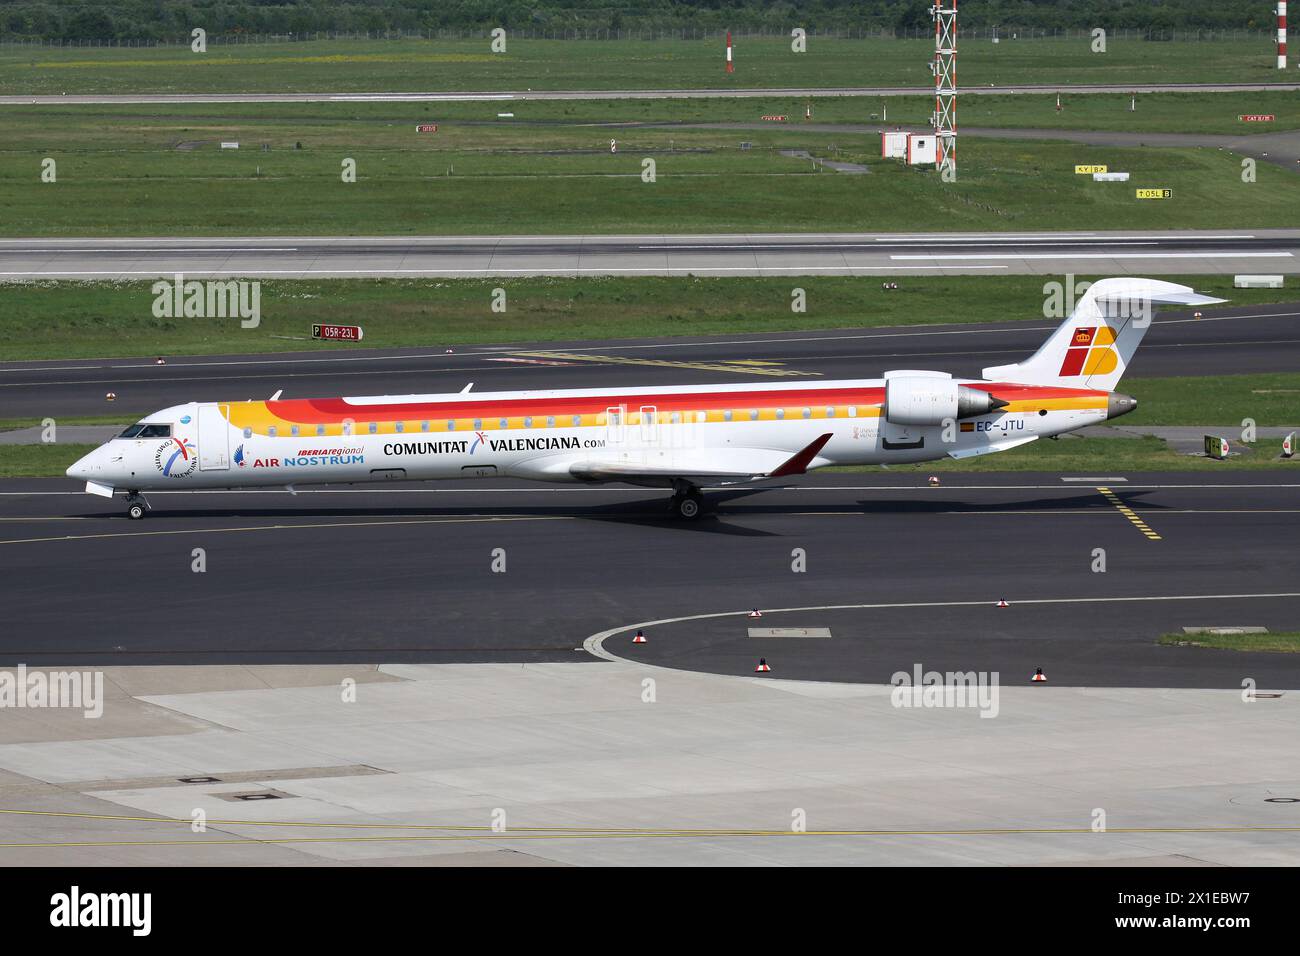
<point x="185" y="420"/>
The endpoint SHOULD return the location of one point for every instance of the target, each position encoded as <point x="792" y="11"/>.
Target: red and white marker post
<point x="1281" y="34"/>
<point x="731" y="67"/>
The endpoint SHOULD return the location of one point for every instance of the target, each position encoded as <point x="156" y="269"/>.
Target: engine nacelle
<point x="928" y="400"/>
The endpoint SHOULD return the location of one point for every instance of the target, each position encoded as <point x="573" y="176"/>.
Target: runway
<point x="82" y="99"/>
<point x="404" y="573"/>
<point x="1234" y="340"/>
<point x="865" y="254"/>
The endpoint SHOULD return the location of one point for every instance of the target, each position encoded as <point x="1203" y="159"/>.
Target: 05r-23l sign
<point x="339" y="333"/>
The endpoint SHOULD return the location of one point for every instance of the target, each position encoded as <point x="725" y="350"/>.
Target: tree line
<point x="163" y="21"/>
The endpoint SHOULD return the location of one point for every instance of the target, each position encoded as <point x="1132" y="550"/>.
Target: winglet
<point x="798" y="464"/>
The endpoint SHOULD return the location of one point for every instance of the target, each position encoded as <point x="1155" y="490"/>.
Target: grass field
<point x="527" y="179"/>
<point x="66" y="320"/>
<point x="416" y="65"/>
<point x="1270" y="399"/>
<point x="1285" y="642"/>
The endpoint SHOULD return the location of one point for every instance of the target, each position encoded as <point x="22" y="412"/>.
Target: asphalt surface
<point x="81" y="99"/>
<point x="404" y="573"/>
<point x="1114" y="253"/>
<point x="1234" y="340"/>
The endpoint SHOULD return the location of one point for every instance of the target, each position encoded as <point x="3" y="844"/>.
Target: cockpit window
<point x="155" y="431"/>
<point x="132" y="431"/>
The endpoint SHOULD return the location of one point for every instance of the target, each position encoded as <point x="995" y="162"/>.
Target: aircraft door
<point x="214" y="437"/>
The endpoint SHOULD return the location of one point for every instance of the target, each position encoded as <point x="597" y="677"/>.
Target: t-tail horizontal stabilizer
<point x="1093" y="347"/>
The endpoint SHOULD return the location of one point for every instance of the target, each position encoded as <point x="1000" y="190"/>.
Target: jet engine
<point x="927" y="400"/>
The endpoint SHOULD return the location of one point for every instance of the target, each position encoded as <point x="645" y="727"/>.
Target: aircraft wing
<point x="702" y="465"/>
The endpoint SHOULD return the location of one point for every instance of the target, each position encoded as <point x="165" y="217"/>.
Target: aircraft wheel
<point x="688" y="507"/>
<point x="135" y="512"/>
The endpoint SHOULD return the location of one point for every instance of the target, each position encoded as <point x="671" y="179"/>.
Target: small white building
<point x="893" y="145"/>
<point x="922" y="149"/>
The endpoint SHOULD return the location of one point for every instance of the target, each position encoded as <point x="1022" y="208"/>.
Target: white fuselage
<point x="646" y="434"/>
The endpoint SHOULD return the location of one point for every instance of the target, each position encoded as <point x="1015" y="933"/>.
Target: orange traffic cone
<point x="934" y="479"/>
<point x="640" y="638"/>
<point x="1039" y="677"/>
<point x="111" y="397"/>
<point x="756" y="613"/>
<point x="1003" y="603"/>
<point x="762" y="667"/>
<point x="161" y="361"/>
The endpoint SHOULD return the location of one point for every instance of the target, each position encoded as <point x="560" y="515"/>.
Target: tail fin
<point x="1094" y="346"/>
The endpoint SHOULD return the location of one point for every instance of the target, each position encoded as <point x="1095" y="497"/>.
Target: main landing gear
<point x="136" y="506"/>
<point x="688" y="503"/>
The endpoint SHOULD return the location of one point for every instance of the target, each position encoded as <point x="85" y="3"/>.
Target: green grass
<point x="1285" y="642"/>
<point x="121" y="418"/>
<point x="39" y="461"/>
<point x="1269" y="398"/>
<point x="415" y="65"/>
<point x="67" y="319"/>
<point x="564" y="180"/>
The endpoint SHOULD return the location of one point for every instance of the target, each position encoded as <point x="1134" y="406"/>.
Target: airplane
<point x="683" y="437"/>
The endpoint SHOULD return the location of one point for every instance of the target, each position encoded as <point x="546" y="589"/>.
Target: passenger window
<point x="155" y="431"/>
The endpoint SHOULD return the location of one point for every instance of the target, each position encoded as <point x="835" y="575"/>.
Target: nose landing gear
<point x="136" y="505"/>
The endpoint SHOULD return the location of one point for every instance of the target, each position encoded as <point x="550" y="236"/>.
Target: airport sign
<point x="1256" y="117"/>
<point x="337" y="333"/>
<point x="427" y="128"/>
<point x="1155" y="194"/>
<point x="1084" y="170"/>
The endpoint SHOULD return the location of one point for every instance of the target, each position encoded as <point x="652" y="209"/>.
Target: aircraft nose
<point x="82" y="469"/>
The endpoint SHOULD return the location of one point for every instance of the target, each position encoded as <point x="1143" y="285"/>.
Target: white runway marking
<point x="595" y="643"/>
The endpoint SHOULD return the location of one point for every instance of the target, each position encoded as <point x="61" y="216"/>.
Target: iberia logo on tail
<point x="1091" y="352"/>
